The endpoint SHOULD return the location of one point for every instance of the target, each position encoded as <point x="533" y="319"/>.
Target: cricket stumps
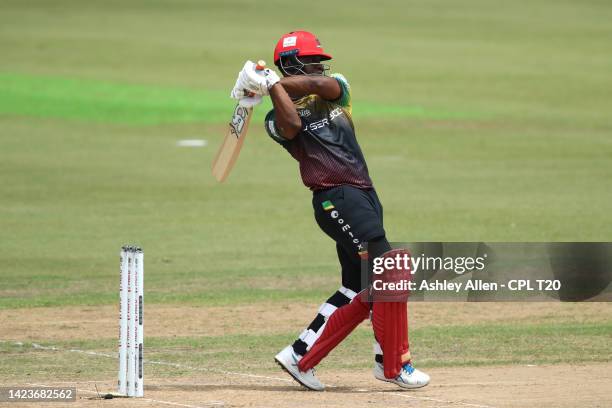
<point x="131" y="334"/>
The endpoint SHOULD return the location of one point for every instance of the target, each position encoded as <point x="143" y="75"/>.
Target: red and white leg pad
<point x="340" y="324"/>
<point x="390" y="323"/>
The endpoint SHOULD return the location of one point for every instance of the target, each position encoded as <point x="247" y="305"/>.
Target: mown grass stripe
<point x="104" y="101"/>
<point x="470" y="345"/>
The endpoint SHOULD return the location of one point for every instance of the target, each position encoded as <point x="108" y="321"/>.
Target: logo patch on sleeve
<point x="271" y="128"/>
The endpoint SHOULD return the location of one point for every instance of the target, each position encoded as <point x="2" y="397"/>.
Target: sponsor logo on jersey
<point x="317" y="125"/>
<point x="323" y="122"/>
<point x="304" y="113"/>
<point x="335" y="113"/>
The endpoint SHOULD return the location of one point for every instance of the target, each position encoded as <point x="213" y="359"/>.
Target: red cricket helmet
<point x="299" y="43"/>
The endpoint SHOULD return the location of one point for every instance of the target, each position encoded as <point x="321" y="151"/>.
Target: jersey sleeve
<point x="270" y="125"/>
<point x="345" y="99"/>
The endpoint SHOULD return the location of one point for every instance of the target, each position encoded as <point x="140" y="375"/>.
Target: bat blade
<point x="234" y="138"/>
<point x="232" y="143"/>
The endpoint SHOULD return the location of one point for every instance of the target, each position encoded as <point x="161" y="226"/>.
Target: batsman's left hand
<point x="243" y="95"/>
<point x="240" y="89"/>
<point x="256" y="81"/>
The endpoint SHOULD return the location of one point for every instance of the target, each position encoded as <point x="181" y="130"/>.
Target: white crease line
<point x="207" y="404"/>
<point x="164" y="363"/>
<point x="177" y="404"/>
<point x="218" y="371"/>
<point x="467" y="404"/>
<point x="78" y="382"/>
<point x="93" y="353"/>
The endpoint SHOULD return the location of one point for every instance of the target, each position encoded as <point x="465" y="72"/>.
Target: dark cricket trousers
<point x="351" y="217"/>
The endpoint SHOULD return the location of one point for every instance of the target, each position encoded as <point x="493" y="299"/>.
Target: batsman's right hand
<point x="259" y="81"/>
<point x="252" y="80"/>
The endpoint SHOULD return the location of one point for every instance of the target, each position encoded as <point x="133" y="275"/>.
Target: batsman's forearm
<point x="298" y="86"/>
<point x="301" y="85"/>
<point x="287" y="120"/>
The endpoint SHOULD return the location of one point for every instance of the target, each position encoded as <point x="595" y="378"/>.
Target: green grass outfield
<point x="480" y="121"/>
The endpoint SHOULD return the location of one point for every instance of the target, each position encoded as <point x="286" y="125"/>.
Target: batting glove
<point x="257" y="81"/>
<point x="250" y="101"/>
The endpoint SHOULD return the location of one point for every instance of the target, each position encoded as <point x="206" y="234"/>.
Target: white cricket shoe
<point x="288" y="360"/>
<point x="409" y="377"/>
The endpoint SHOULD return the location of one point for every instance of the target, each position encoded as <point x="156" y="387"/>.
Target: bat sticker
<point x="238" y="120"/>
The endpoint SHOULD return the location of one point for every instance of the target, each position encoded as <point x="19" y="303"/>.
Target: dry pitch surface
<point x="514" y="386"/>
<point x="563" y="385"/>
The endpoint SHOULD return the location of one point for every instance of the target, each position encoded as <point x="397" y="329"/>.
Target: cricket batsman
<point x="311" y="119"/>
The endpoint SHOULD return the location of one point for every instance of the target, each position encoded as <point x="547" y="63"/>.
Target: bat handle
<point x="260" y="66"/>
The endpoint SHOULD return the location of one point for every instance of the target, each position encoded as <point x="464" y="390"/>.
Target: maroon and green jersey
<point x="326" y="147"/>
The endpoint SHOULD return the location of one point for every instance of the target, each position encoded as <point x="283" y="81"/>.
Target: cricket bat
<point x="234" y="138"/>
